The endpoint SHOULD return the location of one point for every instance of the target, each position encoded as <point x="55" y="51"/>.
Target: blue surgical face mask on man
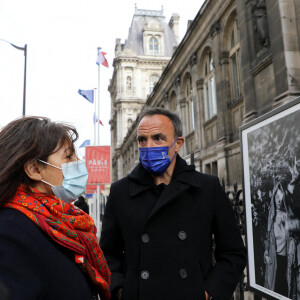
<point x="75" y="179"/>
<point x="156" y="160"/>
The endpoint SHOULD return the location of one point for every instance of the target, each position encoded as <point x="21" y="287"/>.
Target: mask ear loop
<point x="173" y="143"/>
<point x="175" y="151"/>
<point x="49" y="164"/>
<point x="47" y="183"/>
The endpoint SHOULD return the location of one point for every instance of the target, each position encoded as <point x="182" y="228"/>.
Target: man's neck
<point x="167" y="176"/>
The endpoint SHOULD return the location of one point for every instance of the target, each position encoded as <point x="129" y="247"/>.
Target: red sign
<point x="97" y="159"/>
<point x="93" y="188"/>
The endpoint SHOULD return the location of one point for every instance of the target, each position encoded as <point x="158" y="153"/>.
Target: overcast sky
<point x="62" y="37"/>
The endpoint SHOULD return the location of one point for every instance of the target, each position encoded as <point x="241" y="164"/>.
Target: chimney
<point x="174" y="25"/>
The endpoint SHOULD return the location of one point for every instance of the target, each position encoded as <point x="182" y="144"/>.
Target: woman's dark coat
<point x="158" y="244"/>
<point x="33" y="267"/>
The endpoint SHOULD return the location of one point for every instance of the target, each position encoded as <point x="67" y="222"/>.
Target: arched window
<point x="209" y="87"/>
<point x="234" y="61"/>
<point x="153" y="80"/>
<point x="153" y="45"/>
<point x="128" y="83"/>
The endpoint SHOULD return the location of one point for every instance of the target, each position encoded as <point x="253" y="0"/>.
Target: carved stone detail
<point x="199" y="84"/>
<point x="260" y="25"/>
<point x="166" y="97"/>
<point x="214" y="29"/>
<point x="224" y="57"/>
<point x="177" y="81"/>
<point x="182" y="102"/>
<point x="193" y="59"/>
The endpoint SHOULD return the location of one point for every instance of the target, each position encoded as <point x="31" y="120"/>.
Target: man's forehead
<point x="153" y="130"/>
<point x="155" y="120"/>
<point x="156" y="124"/>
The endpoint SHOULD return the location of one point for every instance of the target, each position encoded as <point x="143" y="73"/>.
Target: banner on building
<point x="97" y="160"/>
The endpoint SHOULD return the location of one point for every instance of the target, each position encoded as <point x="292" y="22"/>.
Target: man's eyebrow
<point x="140" y="136"/>
<point x="158" y="135"/>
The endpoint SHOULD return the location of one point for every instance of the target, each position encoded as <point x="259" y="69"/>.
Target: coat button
<point x="145" y="238"/>
<point x="145" y="274"/>
<point x="182" y="235"/>
<point x="183" y="273"/>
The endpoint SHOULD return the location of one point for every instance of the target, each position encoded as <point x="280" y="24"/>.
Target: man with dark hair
<point x="159" y="222"/>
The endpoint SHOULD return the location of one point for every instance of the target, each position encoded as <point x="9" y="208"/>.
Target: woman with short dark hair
<point x="48" y="247"/>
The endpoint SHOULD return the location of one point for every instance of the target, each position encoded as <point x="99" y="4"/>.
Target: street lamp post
<point x="24" y="87"/>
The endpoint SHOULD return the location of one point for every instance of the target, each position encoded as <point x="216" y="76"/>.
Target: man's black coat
<point x="158" y="241"/>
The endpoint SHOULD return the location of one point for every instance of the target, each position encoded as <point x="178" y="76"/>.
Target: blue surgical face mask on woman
<point x="75" y="179"/>
<point x="156" y="160"/>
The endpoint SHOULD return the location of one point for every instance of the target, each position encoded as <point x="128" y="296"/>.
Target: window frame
<point x="209" y="88"/>
<point x="153" y="42"/>
<point x="234" y="55"/>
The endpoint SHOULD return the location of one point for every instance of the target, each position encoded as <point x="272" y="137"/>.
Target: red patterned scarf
<point x="68" y="226"/>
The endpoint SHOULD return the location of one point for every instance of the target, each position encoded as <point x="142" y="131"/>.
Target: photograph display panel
<point x="271" y="167"/>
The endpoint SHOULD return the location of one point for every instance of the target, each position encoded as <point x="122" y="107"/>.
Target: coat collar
<point x="184" y="176"/>
<point x="140" y="180"/>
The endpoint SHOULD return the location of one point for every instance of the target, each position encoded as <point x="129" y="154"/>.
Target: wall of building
<point x="250" y="49"/>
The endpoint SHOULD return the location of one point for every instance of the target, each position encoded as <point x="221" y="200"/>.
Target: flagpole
<point x="98" y="100"/>
<point x="94" y="119"/>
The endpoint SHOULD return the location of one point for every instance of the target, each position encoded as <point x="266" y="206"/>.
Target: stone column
<point x="183" y="117"/>
<point x="284" y="44"/>
<point x="245" y="21"/>
<point x="196" y="101"/>
<point x="221" y="100"/>
<point x="201" y="111"/>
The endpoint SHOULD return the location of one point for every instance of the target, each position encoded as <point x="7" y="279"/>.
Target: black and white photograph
<point x="271" y="168"/>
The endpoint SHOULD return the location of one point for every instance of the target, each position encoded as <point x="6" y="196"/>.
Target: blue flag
<point x="87" y="94"/>
<point x="85" y="143"/>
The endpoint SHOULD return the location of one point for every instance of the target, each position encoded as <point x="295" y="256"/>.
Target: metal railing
<point x="236" y="197"/>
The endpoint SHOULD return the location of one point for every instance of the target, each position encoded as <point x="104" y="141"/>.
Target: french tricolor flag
<point x="101" y="58"/>
<point x="96" y="119"/>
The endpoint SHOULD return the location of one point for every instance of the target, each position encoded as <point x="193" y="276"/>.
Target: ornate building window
<point x="153" y="45"/>
<point x="209" y="88"/>
<point x="128" y="83"/>
<point x="153" y="80"/>
<point x="234" y="61"/>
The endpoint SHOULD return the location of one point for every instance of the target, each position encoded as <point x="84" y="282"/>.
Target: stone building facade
<point x="138" y="65"/>
<point x="237" y="60"/>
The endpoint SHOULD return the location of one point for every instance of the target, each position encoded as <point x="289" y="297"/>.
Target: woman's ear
<point x="33" y="170"/>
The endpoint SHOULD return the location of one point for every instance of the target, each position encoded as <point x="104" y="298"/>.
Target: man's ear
<point x="179" y="143"/>
<point x="33" y="170"/>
